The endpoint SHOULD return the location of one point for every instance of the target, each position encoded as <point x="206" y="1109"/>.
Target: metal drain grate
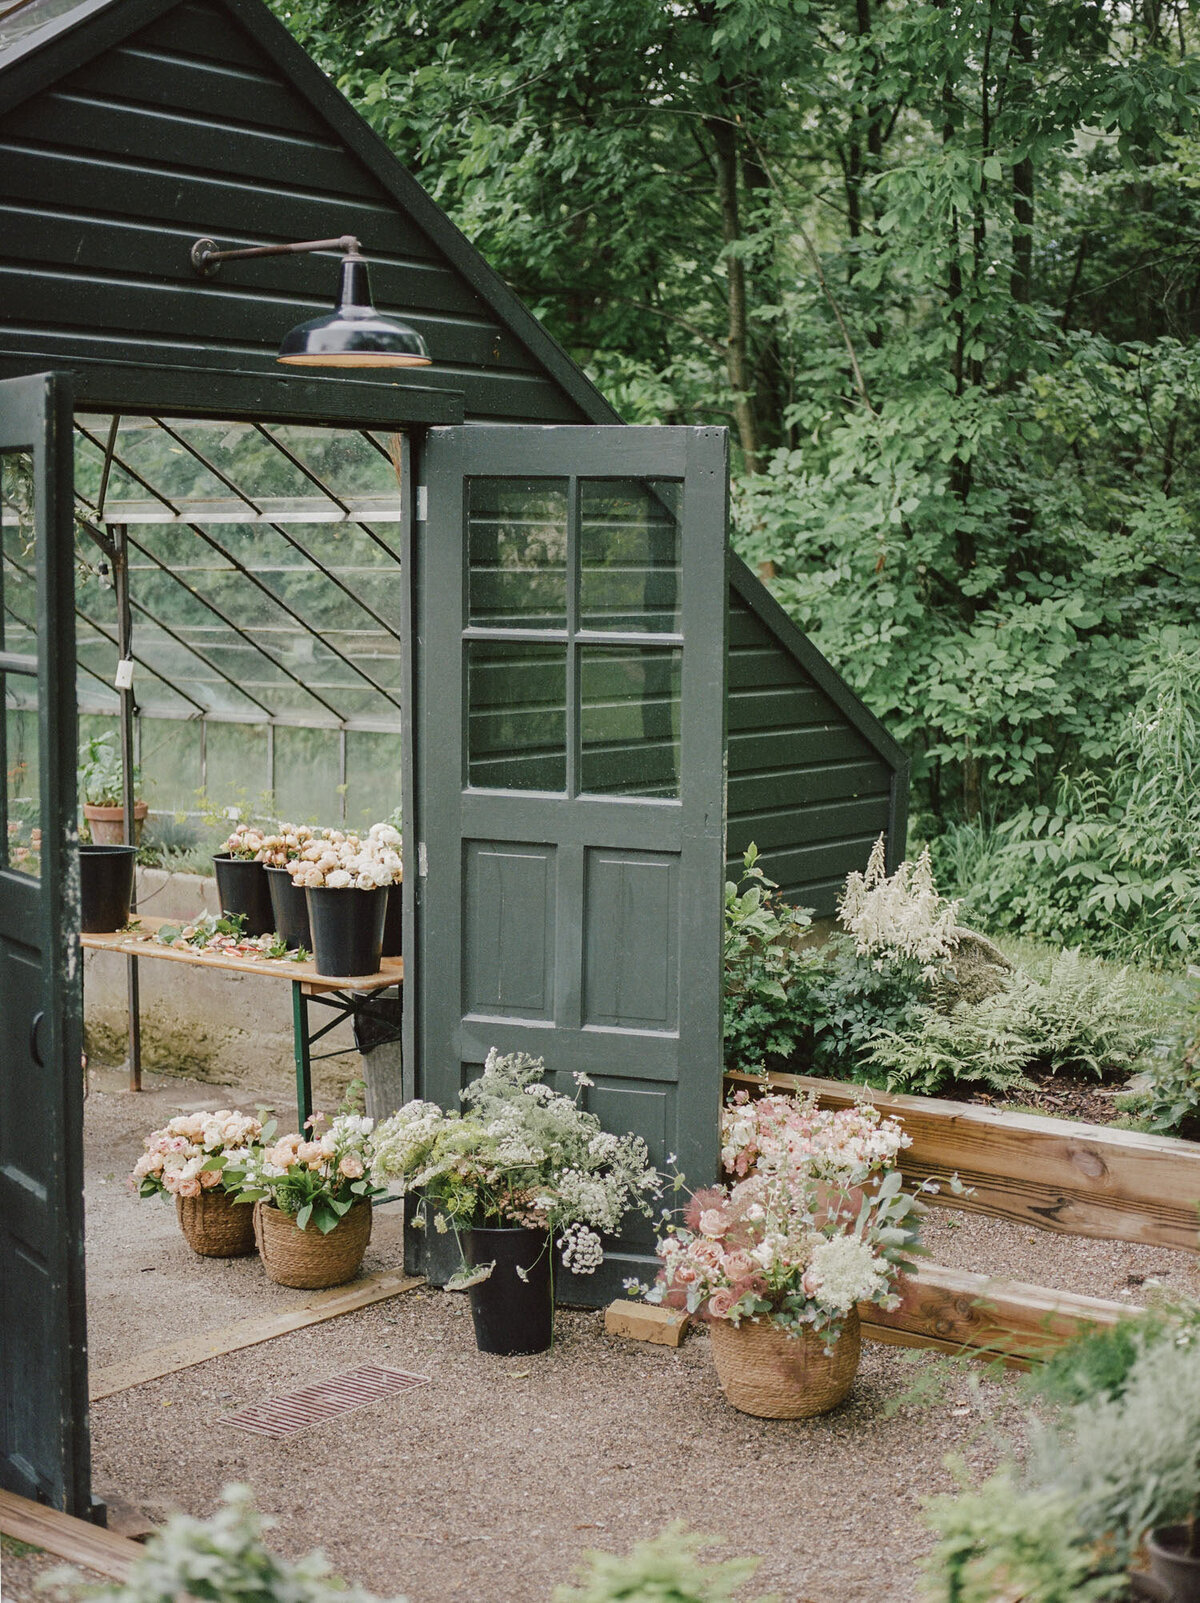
<point x="299" y="1410"/>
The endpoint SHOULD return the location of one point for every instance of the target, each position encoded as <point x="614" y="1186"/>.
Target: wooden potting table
<point x="344" y="995"/>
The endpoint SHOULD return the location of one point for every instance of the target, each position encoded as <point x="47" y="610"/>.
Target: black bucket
<point x="105" y="887"/>
<point x="347" y="929"/>
<point x="393" y="923"/>
<point x="512" y="1315"/>
<point x="289" y="910"/>
<point x="242" y="887"/>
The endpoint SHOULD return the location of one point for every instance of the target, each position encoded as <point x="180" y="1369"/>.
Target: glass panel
<point x="23" y="835"/>
<point x="306" y="776"/>
<point x="235" y="763"/>
<point x="629" y="554"/>
<point x="517" y="696"/>
<point x="170" y="764"/>
<point x="629" y="720"/>
<point x="372" y="777"/>
<point x="517" y="545"/>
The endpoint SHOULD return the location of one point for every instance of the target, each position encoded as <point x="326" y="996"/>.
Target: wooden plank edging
<point x="952" y="1311"/>
<point x="1056" y="1174"/>
<point x="66" y="1537"/>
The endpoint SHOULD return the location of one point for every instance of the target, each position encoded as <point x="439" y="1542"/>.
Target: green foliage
<point x="766" y="1003"/>
<point x="1121" y="1457"/>
<point x="1098" y="1363"/>
<point x="100" y="772"/>
<point x="665" y="1569"/>
<point x="224" y="1560"/>
<point x="1165" y="1096"/>
<point x="1004" y="1540"/>
<point x="854" y="999"/>
<point x="935" y="266"/>
<point x="976" y="1043"/>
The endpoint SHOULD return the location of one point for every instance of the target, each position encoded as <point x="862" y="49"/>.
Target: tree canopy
<point x="938" y="266"/>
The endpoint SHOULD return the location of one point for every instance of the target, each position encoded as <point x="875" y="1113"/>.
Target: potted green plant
<point x="520" y="1172"/>
<point x="100" y="777"/>
<point x="194" y="1159"/>
<point x="312" y="1200"/>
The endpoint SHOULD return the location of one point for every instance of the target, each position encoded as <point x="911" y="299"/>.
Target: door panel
<point x="44" y="1451"/>
<point x="570" y="767"/>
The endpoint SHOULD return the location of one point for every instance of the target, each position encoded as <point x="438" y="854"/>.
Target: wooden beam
<point x="199" y="1349"/>
<point x="1077" y="1179"/>
<point x="952" y="1311"/>
<point x="96" y="1549"/>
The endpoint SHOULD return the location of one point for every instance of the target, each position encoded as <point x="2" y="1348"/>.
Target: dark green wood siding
<point x="804" y="783"/>
<point x="190" y="127"/>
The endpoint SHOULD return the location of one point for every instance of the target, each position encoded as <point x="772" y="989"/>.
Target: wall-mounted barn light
<point x="355" y="335"/>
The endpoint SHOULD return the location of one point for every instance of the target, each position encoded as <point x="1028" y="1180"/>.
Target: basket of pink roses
<point x="812" y="1223"/>
<point x="187" y="1159"/>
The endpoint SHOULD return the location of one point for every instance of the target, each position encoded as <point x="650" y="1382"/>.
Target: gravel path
<point x="490" y="1482"/>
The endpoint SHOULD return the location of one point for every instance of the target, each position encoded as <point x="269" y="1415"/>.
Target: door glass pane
<point x="517" y="551"/>
<point x="23" y="835"/>
<point x="517" y="710"/>
<point x="629" y="554"/>
<point x="20" y="817"/>
<point x="629" y="720"/>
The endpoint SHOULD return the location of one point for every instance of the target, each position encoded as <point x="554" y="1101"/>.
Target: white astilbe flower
<point x="901" y="916"/>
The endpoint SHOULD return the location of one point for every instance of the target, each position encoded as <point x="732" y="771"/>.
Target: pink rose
<point x="209" y="1178"/>
<point x="351" y="1167"/>
<point x="714" y="1222"/>
<point x="685" y="1275"/>
<point x="739" y="1264"/>
<point x="189" y="1188"/>
<point x="721" y="1302"/>
<point x="707" y="1253"/>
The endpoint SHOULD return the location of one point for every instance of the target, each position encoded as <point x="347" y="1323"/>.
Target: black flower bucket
<point x="105" y="887"/>
<point x="289" y="909"/>
<point x="347" y="929"/>
<point x="513" y="1309"/>
<point x="243" y="889"/>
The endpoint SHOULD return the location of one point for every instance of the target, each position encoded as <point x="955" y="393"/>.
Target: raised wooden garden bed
<point x="1076" y="1179"/>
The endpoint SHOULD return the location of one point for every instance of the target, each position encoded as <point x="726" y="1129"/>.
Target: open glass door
<point x="44" y="1448"/>
<point x="570" y="774"/>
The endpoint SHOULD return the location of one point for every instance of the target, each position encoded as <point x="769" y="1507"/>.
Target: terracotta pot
<point x="215" y="1226"/>
<point x="765" y="1372"/>
<point x="306" y="1258"/>
<point x="107" y="824"/>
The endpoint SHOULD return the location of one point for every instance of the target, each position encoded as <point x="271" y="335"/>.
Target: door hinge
<point x="422" y="860"/>
<point x="422" y="503"/>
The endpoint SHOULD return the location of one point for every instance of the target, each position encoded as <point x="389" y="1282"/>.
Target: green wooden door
<point x="570" y="772"/>
<point x="43" y="1358"/>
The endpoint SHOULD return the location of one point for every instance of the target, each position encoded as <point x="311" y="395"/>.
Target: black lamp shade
<point x="355" y="335"/>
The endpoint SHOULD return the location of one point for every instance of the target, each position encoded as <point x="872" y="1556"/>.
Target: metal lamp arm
<point x="206" y="258"/>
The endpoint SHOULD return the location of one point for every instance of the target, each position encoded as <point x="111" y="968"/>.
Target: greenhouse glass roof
<point x="263" y="568"/>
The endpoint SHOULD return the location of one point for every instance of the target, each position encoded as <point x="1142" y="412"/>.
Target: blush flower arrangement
<point x="347" y="862"/>
<point x="519" y="1154"/>
<point x="245" y="844"/>
<point x="780" y="1134"/>
<point x="315" y="1178"/>
<point x="196" y="1152"/>
<point x="284" y="844"/>
<point x="770" y="1250"/>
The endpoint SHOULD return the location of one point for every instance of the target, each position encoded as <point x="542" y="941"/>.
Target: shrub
<point x="665" y="1569"/>
<point x="1165" y="1096"/>
<point x="766" y="1006"/>
<point x="977" y="1043"/>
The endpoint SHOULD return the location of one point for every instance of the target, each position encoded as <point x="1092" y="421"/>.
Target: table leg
<point x="300" y="1048"/>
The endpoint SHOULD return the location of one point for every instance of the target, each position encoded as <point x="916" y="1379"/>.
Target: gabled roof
<point x="45" y="41"/>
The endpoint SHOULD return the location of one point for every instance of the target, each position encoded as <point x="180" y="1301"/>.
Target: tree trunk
<point x="724" y="138"/>
<point x="1022" y="177"/>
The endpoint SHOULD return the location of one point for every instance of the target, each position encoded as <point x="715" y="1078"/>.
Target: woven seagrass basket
<point x="306" y="1258"/>
<point x="766" y="1372"/>
<point x="215" y="1226"/>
